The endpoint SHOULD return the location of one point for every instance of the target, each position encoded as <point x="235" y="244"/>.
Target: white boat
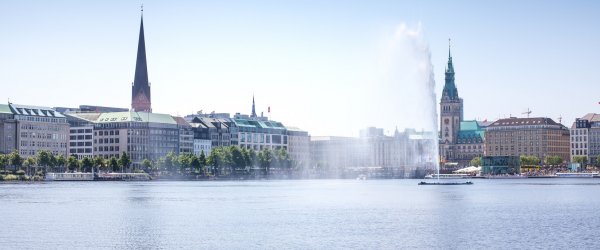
<point x="69" y="177"/>
<point x="447" y="176"/>
<point x="577" y="175"/>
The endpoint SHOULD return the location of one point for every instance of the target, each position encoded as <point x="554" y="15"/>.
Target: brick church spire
<point x="140" y="91"/>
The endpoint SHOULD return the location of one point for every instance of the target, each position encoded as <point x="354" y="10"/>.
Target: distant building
<point x="142" y="135"/>
<point x="538" y="137"/>
<point x="29" y="129"/>
<point x="460" y="140"/>
<point x="89" y="109"/>
<point x="202" y="145"/>
<point x="401" y="155"/>
<point x="585" y="138"/>
<point x="81" y="136"/>
<point x="8" y="130"/>
<point x="497" y="165"/>
<point x="217" y="130"/>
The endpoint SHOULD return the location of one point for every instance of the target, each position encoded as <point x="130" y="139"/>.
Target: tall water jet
<point x="408" y="86"/>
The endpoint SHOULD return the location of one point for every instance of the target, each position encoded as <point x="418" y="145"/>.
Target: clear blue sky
<point x="308" y="60"/>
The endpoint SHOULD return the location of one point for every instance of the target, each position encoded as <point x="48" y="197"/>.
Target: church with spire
<point x="460" y="140"/>
<point x="140" y="91"/>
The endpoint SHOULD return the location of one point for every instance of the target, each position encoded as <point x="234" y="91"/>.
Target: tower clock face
<point x="446" y="121"/>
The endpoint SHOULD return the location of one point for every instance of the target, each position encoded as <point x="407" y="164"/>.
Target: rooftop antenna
<point x="528" y="112"/>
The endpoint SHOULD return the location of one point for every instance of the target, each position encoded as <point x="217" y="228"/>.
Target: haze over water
<point x="373" y="214"/>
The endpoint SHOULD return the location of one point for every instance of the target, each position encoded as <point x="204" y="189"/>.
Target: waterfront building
<point x="217" y="130"/>
<point x="298" y="145"/>
<point x="202" y="145"/>
<point x="538" y="137"/>
<point x="8" y="130"/>
<point x="140" y="90"/>
<point x="408" y="153"/>
<point x="186" y="136"/>
<point x="460" y="140"/>
<point x="29" y="129"/>
<point x="585" y="138"/>
<point x="496" y="165"/>
<point x="89" y="109"/>
<point x="81" y="136"/>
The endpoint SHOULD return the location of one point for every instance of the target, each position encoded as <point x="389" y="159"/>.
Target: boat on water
<point x="447" y="176"/>
<point x="577" y="175"/>
<point x="69" y="177"/>
<point x="361" y="177"/>
<point x="446" y="183"/>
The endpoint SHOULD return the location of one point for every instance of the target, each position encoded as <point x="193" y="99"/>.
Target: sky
<point x="319" y="65"/>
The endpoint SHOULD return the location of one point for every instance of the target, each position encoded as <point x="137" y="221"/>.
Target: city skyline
<point x="203" y="56"/>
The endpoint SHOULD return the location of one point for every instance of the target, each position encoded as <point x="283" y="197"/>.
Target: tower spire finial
<point x="449" y="48"/>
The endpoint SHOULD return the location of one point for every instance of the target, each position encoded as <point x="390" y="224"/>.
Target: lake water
<point x="307" y="214"/>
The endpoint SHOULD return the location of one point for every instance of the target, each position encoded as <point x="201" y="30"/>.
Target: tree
<point x="237" y="158"/>
<point x="476" y="161"/>
<point x="170" y="161"/>
<point x="100" y="163"/>
<point x="195" y="164"/>
<point x="252" y="157"/>
<point x="15" y="160"/>
<point x="598" y="161"/>
<point x="147" y="165"/>
<point x="553" y="160"/>
<point x="3" y="162"/>
<point x="581" y="159"/>
<point x="124" y="161"/>
<point x="284" y="160"/>
<point x="44" y="158"/>
<point x="202" y="160"/>
<point x="216" y="160"/>
<point x="72" y="163"/>
<point x="87" y="164"/>
<point x="28" y="163"/>
<point x="61" y="161"/>
<point x="161" y="164"/>
<point x="113" y="164"/>
<point x="265" y="157"/>
<point x="53" y="162"/>
<point x="184" y="162"/>
<point x="529" y="160"/>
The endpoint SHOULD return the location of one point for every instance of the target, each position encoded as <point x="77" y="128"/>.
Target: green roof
<point x="136" y="117"/>
<point x="470" y="132"/>
<point x="5" y="109"/>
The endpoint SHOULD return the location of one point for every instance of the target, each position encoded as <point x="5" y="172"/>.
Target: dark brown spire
<point x="140" y="94"/>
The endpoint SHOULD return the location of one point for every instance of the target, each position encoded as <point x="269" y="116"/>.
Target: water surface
<point x="309" y="214"/>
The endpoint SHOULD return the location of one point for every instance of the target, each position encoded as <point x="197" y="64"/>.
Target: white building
<point x="202" y="145"/>
<point x="585" y="138"/>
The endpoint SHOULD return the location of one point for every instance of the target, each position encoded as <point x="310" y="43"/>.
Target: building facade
<point x="8" y="130"/>
<point x="29" y="129"/>
<point x="81" y="137"/>
<point x="585" y="138"/>
<point x="538" y="137"/>
<point x="405" y="154"/>
<point x="460" y="140"/>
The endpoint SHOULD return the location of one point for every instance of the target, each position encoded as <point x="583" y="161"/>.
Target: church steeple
<point x="140" y="92"/>
<point x="253" y="108"/>
<point x="450" y="91"/>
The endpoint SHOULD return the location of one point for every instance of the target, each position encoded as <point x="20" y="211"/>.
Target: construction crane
<point x="528" y="112"/>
